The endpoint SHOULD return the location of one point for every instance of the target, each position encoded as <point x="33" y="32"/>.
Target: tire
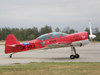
<point x="77" y="56"/>
<point x="10" y="56"/>
<point x="72" y="57"/>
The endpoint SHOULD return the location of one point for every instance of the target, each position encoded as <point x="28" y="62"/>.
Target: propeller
<point x="91" y="36"/>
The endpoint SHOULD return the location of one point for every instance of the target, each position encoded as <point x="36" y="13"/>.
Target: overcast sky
<point x="55" y="13"/>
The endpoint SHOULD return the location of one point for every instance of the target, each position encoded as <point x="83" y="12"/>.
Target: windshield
<point x="63" y="34"/>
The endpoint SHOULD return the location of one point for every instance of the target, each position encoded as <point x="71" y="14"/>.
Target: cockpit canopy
<point x="55" y="34"/>
<point x="52" y="35"/>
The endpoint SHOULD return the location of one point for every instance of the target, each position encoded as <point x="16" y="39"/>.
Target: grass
<point x="51" y="68"/>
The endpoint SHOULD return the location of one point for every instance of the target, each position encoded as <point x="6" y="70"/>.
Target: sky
<point x="54" y="13"/>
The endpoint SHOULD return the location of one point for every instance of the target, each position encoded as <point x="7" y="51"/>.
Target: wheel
<point x="77" y="56"/>
<point x="10" y="56"/>
<point x="72" y="57"/>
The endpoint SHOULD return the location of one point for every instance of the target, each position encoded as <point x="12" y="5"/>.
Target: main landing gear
<point x="73" y="56"/>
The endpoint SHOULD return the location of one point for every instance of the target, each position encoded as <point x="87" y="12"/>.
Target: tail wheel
<point x="10" y="56"/>
<point x="77" y="56"/>
<point x="72" y="57"/>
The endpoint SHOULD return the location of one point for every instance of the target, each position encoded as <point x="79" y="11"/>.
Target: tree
<point x="57" y="29"/>
<point x="0" y="34"/>
<point x="72" y="31"/>
<point x="3" y="34"/>
<point x="97" y="33"/>
<point x="23" y="34"/>
<point x="35" y="32"/>
<point x="20" y="37"/>
<point x="66" y="30"/>
<point x="46" y="29"/>
<point x="31" y="37"/>
<point x="96" y="30"/>
<point x="69" y="31"/>
<point x="87" y="30"/>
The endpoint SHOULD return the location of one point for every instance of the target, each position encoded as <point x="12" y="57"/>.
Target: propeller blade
<point x="90" y="28"/>
<point x="91" y="36"/>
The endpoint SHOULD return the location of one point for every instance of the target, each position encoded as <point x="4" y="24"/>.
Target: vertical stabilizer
<point x="10" y="40"/>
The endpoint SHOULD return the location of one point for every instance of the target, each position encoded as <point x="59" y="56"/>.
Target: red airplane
<point x="49" y="41"/>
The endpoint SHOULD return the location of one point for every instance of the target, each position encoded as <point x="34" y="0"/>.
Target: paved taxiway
<point x="88" y="53"/>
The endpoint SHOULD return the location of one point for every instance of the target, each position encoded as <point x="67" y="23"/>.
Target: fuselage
<point x="47" y="41"/>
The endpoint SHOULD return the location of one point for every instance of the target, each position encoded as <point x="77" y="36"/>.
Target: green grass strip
<point x="52" y="68"/>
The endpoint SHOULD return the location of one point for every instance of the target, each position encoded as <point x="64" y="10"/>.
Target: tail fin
<point x="10" y="40"/>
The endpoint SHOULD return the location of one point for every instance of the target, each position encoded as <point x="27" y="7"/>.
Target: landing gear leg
<point x="73" y="56"/>
<point x="10" y="56"/>
<point x="76" y="55"/>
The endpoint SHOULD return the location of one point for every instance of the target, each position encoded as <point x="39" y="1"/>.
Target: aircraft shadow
<point x="55" y="58"/>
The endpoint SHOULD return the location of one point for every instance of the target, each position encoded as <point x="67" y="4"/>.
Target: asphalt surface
<point x="88" y="53"/>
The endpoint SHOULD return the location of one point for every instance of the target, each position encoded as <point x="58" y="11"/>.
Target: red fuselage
<point x="45" y="40"/>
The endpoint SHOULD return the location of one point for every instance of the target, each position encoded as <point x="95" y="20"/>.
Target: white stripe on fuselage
<point x="77" y="43"/>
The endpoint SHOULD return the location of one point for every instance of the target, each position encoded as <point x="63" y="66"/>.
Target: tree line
<point x="32" y="33"/>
